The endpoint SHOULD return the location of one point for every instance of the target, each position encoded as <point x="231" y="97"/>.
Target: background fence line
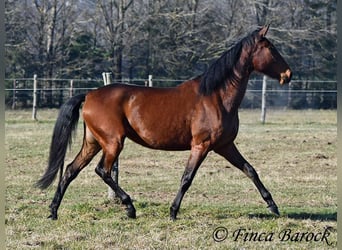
<point x="52" y="93"/>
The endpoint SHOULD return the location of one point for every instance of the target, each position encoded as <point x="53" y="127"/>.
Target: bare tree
<point x="166" y="38"/>
<point x="48" y="27"/>
<point x="114" y="14"/>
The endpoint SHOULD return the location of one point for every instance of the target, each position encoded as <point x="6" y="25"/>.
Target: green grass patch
<point x="294" y="154"/>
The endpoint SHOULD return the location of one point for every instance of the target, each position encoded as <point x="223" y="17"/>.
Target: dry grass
<point x="294" y="154"/>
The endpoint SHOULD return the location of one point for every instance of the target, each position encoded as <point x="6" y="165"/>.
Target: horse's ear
<point x="264" y="30"/>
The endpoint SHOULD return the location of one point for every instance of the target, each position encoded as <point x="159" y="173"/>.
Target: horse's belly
<point x="161" y="140"/>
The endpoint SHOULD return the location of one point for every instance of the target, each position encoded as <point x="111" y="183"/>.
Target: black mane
<point x="222" y="70"/>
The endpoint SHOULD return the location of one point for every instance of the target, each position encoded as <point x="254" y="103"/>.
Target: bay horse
<point x="199" y="115"/>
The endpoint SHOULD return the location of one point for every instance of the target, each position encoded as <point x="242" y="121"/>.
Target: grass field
<point x="294" y="153"/>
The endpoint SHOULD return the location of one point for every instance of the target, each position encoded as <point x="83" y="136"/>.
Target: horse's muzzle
<point x="285" y="77"/>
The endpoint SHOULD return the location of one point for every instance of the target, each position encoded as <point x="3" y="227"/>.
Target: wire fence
<point x="52" y="93"/>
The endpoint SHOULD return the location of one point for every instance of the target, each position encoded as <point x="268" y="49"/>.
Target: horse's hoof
<point x="173" y="218"/>
<point x="274" y="209"/>
<point x="173" y="214"/>
<point x="52" y="217"/>
<point x="131" y="213"/>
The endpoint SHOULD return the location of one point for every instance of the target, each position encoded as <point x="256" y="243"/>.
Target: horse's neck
<point x="233" y="94"/>
<point x="235" y="90"/>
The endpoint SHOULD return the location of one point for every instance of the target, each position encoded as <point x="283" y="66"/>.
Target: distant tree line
<point x="174" y="39"/>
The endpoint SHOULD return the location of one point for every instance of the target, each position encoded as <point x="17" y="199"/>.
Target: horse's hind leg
<point x="89" y="149"/>
<point x="110" y="154"/>
<point x="232" y="154"/>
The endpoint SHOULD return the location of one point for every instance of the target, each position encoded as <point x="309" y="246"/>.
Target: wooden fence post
<point x="34" y="108"/>
<point x="71" y="90"/>
<point x="14" y="99"/>
<point x="150" y="82"/>
<point x="115" y="168"/>
<point x="108" y="80"/>
<point x="263" y="100"/>
<point x="289" y="96"/>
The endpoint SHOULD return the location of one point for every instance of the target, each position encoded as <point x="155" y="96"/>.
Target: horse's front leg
<point x="197" y="155"/>
<point x="232" y="154"/>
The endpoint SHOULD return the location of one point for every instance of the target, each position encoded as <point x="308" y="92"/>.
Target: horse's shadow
<point x="329" y="216"/>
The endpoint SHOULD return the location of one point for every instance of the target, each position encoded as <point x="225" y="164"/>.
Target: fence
<point x="52" y="93"/>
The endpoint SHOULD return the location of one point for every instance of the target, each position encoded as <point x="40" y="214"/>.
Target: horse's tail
<point x="65" y="125"/>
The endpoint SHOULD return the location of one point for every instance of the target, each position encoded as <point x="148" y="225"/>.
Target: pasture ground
<point x="294" y="153"/>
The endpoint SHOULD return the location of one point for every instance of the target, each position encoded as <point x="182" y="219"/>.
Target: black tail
<point x="65" y="125"/>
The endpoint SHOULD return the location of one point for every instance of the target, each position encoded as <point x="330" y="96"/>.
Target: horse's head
<point x="267" y="60"/>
